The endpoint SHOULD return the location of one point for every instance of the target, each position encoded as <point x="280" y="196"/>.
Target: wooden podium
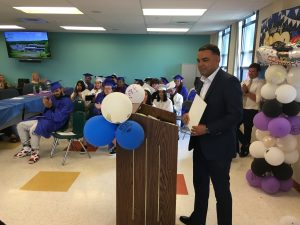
<point x="146" y="177"/>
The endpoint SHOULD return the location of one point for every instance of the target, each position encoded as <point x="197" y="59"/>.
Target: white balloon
<point x="275" y="74"/>
<point x="298" y="95"/>
<point x="291" y="157"/>
<point x="135" y="93"/>
<point x="257" y="149"/>
<point x="286" y="93"/>
<point x="268" y="91"/>
<point x="293" y="77"/>
<point x="269" y="141"/>
<point x="287" y="143"/>
<point x="274" y="156"/>
<point x="116" y="107"/>
<point x="260" y="134"/>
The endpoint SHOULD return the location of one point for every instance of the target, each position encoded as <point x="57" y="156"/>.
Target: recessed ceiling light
<point x="167" y="29"/>
<point x="174" y="12"/>
<point x="49" y="10"/>
<point x="83" y="28"/>
<point x="10" y="27"/>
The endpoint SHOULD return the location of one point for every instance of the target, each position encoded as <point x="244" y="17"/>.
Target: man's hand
<point x="98" y="106"/>
<point x="185" y="118"/>
<point x="47" y="103"/>
<point x="245" y="89"/>
<point x="199" y="130"/>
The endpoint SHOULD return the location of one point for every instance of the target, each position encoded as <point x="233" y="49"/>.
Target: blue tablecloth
<point x="11" y="108"/>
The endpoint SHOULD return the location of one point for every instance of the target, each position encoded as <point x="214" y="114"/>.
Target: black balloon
<point x="272" y="108"/>
<point x="283" y="171"/>
<point x="291" y="109"/>
<point x="260" y="167"/>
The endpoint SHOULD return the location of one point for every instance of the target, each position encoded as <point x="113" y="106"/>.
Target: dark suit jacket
<point x="222" y="114"/>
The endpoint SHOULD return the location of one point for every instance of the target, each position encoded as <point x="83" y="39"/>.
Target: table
<point x="14" y="110"/>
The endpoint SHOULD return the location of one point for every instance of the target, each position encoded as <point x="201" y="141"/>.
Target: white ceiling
<point x="126" y="17"/>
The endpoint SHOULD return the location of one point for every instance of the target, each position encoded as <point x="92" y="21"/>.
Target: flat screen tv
<point x="27" y="45"/>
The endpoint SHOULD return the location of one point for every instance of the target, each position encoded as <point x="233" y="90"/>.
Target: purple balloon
<point x="252" y="179"/>
<point x="270" y="185"/>
<point x="279" y="127"/>
<point x="261" y="121"/>
<point x="286" y="185"/>
<point x="295" y="123"/>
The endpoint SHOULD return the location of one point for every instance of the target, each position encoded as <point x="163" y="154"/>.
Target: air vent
<point x="33" y="20"/>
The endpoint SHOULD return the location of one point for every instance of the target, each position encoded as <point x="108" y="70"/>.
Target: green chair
<point x="78" y="106"/>
<point x="79" y="119"/>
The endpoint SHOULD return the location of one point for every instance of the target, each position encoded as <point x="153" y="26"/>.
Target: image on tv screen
<point x="27" y="45"/>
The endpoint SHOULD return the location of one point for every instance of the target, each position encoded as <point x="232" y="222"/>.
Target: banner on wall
<point x="280" y="38"/>
<point x="282" y="26"/>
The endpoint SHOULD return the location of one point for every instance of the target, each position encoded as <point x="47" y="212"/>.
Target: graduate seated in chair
<point x="57" y="113"/>
<point x="80" y="92"/>
<point x="108" y="85"/>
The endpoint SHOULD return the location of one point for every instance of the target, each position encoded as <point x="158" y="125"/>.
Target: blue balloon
<point x="130" y="135"/>
<point x="98" y="131"/>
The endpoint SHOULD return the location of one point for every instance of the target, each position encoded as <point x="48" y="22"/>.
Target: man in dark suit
<point x="214" y="139"/>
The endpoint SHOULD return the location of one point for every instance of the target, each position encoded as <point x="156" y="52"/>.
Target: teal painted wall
<point x="132" y="56"/>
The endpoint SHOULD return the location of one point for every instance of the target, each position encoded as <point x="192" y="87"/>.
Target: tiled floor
<point x="91" y="200"/>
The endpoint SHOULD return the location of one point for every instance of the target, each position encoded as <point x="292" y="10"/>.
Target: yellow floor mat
<point x="51" y="181"/>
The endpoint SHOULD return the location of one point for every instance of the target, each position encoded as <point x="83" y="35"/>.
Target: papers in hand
<point x="196" y="111"/>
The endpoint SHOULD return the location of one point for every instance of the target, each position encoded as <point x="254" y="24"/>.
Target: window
<point x="247" y="30"/>
<point x="223" y="44"/>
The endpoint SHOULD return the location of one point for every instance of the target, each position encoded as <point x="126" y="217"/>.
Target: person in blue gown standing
<point x="180" y="88"/>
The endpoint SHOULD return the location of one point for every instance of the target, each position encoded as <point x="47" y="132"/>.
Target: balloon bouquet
<point x="113" y="123"/>
<point x="277" y="126"/>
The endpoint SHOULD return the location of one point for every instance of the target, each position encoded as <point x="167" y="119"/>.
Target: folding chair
<point x="79" y="119"/>
<point x="183" y="129"/>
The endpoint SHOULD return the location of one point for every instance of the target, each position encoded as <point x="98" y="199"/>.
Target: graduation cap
<point x="147" y="79"/>
<point x="108" y="82"/>
<point x="170" y="85"/>
<point x="121" y="78"/>
<point x="178" y="77"/>
<point x="161" y="87"/>
<point x="148" y="87"/>
<point x="139" y="81"/>
<point x="100" y="79"/>
<point x="87" y="75"/>
<point x="113" y="75"/>
<point x="164" y="80"/>
<point x="55" y="85"/>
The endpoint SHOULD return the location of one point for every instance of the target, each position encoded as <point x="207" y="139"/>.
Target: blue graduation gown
<point x="54" y="118"/>
<point x="90" y="86"/>
<point x="184" y="92"/>
<point x="99" y="99"/>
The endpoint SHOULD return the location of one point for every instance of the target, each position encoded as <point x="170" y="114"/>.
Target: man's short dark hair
<point x="210" y="47"/>
<point x="256" y="66"/>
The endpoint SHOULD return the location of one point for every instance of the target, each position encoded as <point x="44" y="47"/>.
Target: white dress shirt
<point x="207" y="82"/>
<point x="255" y="88"/>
